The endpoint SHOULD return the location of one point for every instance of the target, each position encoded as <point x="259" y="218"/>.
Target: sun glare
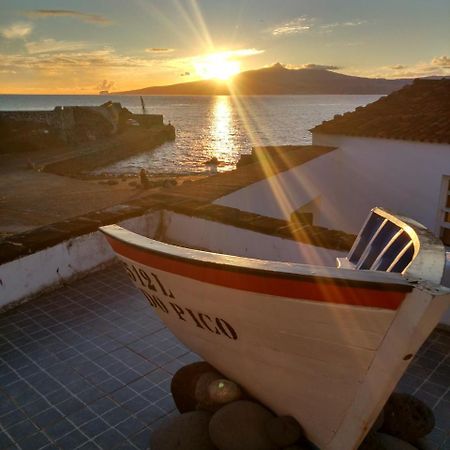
<point x="216" y="66"/>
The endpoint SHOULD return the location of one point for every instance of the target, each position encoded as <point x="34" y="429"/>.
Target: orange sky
<point x="111" y="45"/>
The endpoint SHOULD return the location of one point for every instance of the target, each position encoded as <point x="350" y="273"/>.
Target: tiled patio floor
<point x="89" y="366"/>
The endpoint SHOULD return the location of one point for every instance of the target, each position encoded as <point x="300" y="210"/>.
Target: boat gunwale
<point x="383" y="281"/>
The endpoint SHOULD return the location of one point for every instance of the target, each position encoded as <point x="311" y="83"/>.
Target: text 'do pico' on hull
<point x="325" y="345"/>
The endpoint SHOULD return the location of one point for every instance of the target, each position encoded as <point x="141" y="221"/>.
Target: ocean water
<point x="208" y="126"/>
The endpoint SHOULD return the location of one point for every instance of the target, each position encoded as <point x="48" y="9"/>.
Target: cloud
<point x="298" y="25"/>
<point x="329" y="27"/>
<point x="241" y="53"/>
<point x="84" y="17"/>
<point x="304" y="24"/>
<point x="438" y="66"/>
<point x="227" y="60"/>
<point x="90" y="65"/>
<point x="17" y="30"/>
<point x="441" y="61"/>
<point x="51" y="46"/>
<point x="355" y="23"/>
<point x="159" y="50"/>
<point x="245" y="52"/>
<point x="319" y="67"/>
<point x="225" y="55"/>
<point x="105" y="85"/>
<point x="312" y="66"/>
<point x="80" y="60"/>
<point x="344" y="44"/>
<point x="77" y="70"/>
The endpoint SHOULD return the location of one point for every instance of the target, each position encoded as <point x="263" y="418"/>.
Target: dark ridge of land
<point x="278" y="80"/>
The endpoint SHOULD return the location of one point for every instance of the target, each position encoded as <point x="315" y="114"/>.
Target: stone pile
<point x="217" y="414"/>
<point x="404" y="421"/>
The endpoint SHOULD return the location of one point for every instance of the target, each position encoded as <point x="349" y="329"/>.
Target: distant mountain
<point x="277" y="80"/>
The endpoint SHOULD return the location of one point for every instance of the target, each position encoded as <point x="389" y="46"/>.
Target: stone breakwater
<point x="218" y="414"/>
<point x="46" y="159"/>
<point x="78" y="127"/>
<point x="68" y="125"/>
<point x="111" y="149"/>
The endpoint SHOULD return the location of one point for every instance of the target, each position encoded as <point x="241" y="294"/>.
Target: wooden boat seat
<point x="391" y="243"/>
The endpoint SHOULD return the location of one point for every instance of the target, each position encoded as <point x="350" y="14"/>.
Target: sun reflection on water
<point x="222" y="144"/>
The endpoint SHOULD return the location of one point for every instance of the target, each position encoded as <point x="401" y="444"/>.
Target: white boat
<point x="325" y="345"/>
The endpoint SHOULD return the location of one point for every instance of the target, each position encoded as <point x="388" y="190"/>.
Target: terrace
<point x="89" y="366"/>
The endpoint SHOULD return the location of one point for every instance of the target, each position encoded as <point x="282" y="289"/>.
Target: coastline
<point x="41" y="187"/>
<point x="94" y="155"/>
<point x="31" y="199"/>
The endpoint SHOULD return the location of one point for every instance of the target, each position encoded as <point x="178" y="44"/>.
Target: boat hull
<point x="305" y="346"/>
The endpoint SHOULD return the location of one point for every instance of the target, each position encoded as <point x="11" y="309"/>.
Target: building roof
<point x="417" y="112"/>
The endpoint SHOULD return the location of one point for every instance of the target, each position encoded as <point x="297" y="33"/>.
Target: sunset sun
<point x="216" y="66"/>
<point x="224" y="224"/>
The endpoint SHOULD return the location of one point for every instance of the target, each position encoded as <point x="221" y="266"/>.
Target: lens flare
<point x="216" y="66"/>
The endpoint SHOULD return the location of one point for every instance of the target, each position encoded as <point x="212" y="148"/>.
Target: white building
<point x="393" y="153"/>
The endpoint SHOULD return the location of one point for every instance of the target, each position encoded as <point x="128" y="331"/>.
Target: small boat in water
<point x="325" y="345"/>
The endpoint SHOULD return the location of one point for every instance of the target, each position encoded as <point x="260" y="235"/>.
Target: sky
<point x="84" y="46"/>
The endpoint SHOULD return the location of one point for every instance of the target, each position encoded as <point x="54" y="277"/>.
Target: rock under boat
<point x="325" y="345"/>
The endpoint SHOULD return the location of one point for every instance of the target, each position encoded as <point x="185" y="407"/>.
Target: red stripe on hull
<point x="324" y="291"/>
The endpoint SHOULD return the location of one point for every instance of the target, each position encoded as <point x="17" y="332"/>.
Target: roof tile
<point x="417" y="112"/>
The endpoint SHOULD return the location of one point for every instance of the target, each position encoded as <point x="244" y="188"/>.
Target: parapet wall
<point x="47" y="256"/>
<point x="67" y="259"/>
<point x="42" y="117"/>
<point x="44" y="258"/>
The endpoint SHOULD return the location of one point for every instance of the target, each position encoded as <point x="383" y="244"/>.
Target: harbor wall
<point x="70" y="125"/>
<point x="43" y="117"/>
<point x="47" y="269"/>
<point x="67" y="117"/>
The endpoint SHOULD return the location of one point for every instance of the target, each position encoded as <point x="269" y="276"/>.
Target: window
<point x="445" y="221"/>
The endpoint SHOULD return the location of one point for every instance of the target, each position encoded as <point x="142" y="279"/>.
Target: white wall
<point x="361" y="173"/>
<point x="403" y="176"/>
<point x="222" y="238"/>
<point x="47" y="269"/>
<point x="279" y="195"/>
<point x="33" y="274"/>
